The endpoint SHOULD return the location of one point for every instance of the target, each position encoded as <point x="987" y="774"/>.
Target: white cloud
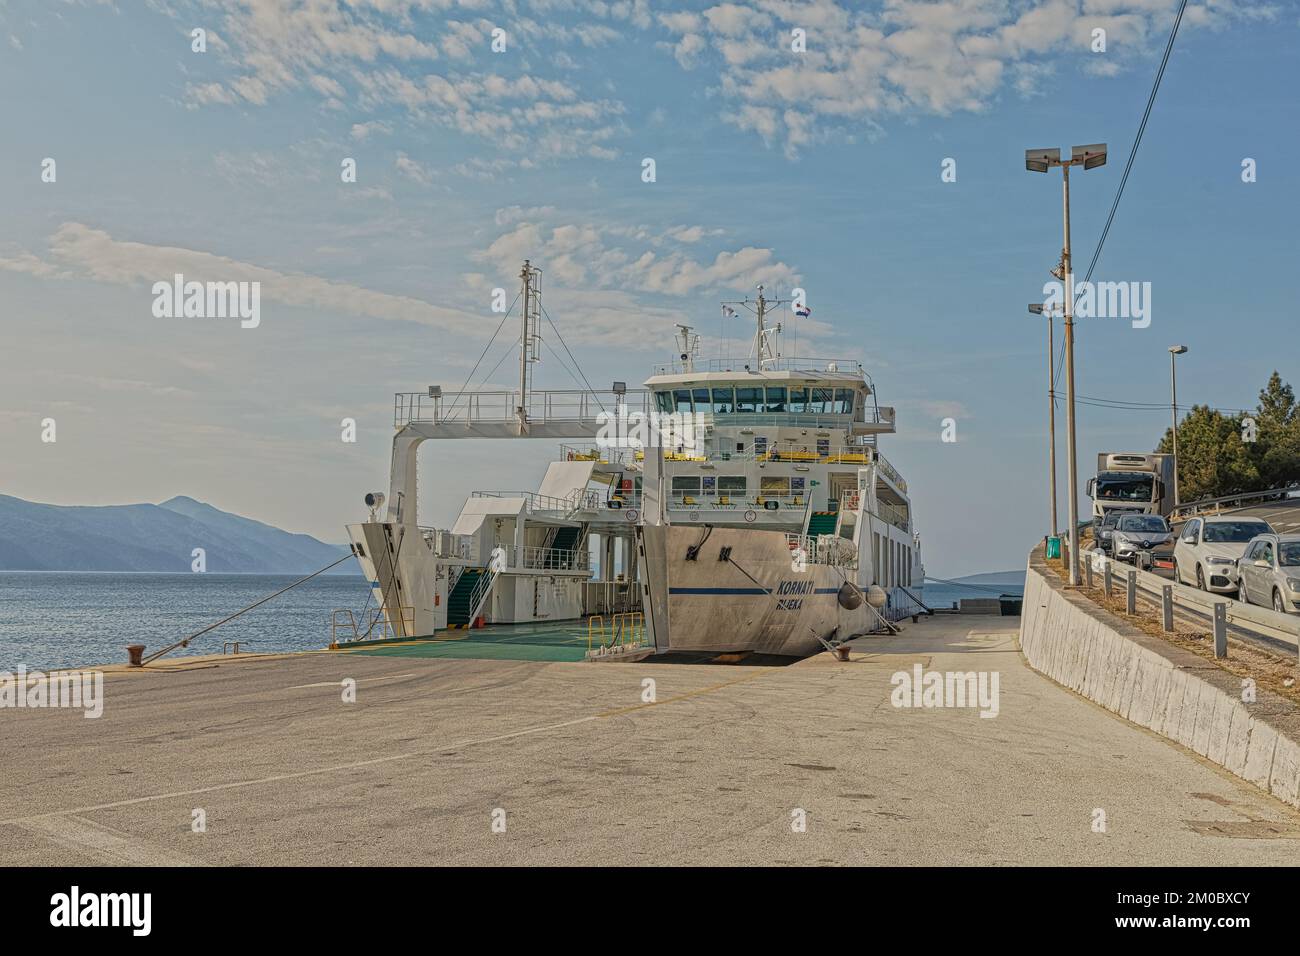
<point x="906" y="56"/>
<point x="413" y="170"/>
<point x="82" y="252"/>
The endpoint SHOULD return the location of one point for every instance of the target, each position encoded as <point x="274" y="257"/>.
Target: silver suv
<point x="1269" y="572"/>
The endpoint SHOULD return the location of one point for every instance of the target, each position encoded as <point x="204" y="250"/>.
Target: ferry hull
<point x="703" y="598"/>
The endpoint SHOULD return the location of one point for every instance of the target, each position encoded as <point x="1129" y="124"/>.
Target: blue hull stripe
<point x="745" y="591"/>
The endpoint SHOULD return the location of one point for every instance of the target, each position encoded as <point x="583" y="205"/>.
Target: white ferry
<point x="754" y="514"/>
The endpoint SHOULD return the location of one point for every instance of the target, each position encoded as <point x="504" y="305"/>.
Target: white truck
<point x="1131" y="482"/>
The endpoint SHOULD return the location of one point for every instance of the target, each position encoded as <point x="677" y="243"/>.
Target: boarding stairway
<point x="468" y="595"/>
<point x="820" y="523"/>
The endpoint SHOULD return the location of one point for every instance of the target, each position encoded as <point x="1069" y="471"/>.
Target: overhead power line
<point x="1128" y="166"/>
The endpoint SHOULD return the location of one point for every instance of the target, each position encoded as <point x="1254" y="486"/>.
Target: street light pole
<point x="1173" y="405"/>
<point x="1039" y="161"/>
<point x="1038" y="308"/>
<point x="1051" y="414"/>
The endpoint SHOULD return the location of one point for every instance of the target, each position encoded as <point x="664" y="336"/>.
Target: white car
<point x="1208" y="548"/>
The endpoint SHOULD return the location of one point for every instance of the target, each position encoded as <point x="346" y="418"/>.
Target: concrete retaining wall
<point x="1160" y="686"/>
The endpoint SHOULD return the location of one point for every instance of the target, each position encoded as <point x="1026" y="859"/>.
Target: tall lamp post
<point x="1040" y="161"/>
<point x="1037" y="309"/>
<point x="1173" y="404"/>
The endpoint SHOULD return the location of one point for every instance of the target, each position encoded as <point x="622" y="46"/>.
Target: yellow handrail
<point x="590" y="621"/>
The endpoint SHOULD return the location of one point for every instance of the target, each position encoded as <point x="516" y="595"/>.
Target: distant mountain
<point x="40" y="537"/>
<point x="994" y="577"/>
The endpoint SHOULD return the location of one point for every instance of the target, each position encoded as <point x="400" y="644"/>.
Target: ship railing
<point x="891" y="473"/>
<point x="604" y="455"/>
<point x="616" y="501"/>
<point x="893" y="515"/>
<point x="504" y="407"/>
<point x="833" y="366"/>
<point x="611" y="597"/>
<point x="537" y="502"/>
<point x="731" y="501"/>
<point x="382" y="624"/>
<point x="625" y="630"/>
<point x="444" y="544"/>
<point x="820" y="549"/>
<point x="859" y="453"/>
<point x="555" y="559"/>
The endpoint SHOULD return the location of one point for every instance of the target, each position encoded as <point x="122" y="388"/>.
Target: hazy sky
<point x="819" y="169"/>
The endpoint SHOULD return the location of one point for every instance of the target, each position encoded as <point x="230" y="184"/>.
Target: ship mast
<point x="766" y="346"/>
<point x="530" y="339"/>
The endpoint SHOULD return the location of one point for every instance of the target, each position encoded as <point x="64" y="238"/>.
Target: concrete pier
<point x="720" y="769"/>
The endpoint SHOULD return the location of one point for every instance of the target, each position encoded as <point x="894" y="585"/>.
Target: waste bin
<point x="1053" y="546"/>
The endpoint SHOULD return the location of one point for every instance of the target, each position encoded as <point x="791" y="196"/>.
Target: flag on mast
<point x="802" y="310"/>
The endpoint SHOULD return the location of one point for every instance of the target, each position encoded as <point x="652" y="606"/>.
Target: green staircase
<point x="459" y="603"/>
<point x="566" y="539"/>
<point x="820" y="523"/>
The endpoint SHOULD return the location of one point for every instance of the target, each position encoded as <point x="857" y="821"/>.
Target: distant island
<point x="148" y="537"/>
<point x="994" y="578"/>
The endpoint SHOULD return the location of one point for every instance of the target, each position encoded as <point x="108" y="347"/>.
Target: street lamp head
<point x="1040" y="160"/>
<point x="1036" y="308"/>
<point x="1178" y="349"/>
<point x="1091" y="156"/>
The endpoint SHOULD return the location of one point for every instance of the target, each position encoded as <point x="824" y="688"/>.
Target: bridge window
<point x="682" y="400"/>
<point x="702" y="404"/>
<point x="776" y="398"/>
<point x="844" y="401"/>
<point x="798" y="400"/>
<point x="822" y="401"/>
<point x="664" y="401"/>
<point x="748" y="399"/>
<point x="731" y="484"/>
<point x="724" y="401"/>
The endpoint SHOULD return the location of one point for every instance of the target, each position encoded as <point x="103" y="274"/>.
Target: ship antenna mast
<point x="530" y="339"/>
<point x="766" y="347"/>
<point x="688" y="347"/>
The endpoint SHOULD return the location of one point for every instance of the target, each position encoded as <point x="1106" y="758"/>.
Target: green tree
<point x="1276" y="449"/>
<point x="1212" y="459"/>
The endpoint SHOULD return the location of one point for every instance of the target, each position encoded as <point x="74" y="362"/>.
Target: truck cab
<point x="1131" y="483"/>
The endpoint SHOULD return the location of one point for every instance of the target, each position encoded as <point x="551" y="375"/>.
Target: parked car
<point x="1269" y="572"/>
<point x="1208" y="548"/>
<point x="1104" y="527"/>
<point x="1143" y="540"/>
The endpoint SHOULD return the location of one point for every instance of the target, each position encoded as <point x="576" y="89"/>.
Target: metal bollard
<point x="1220" y="630"/>
<point x="1132" y="590"/>
<point x="1087" y="570"/>
<point x="1167" y="602"/>
<point x="1109" y="579"/>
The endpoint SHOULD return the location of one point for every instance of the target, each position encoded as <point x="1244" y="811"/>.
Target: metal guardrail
<point x="1195" y="507"/>
<point x="1263" y="621"/>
